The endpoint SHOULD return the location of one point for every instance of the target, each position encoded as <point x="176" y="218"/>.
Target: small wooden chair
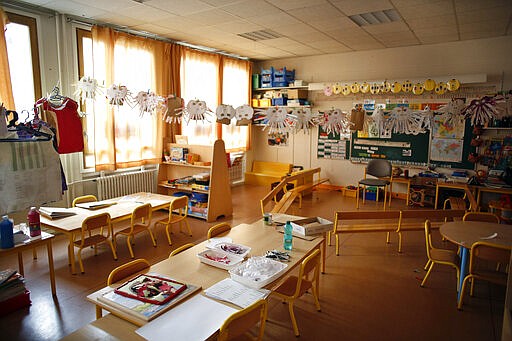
<point x="482" y="252"/>
<point x="296" y="286"/>
<point x="178" y="212"/>
<point x="218" y="229"/>
<point x="84" y="198"/>
<point x="242" y="321"/>
<point x="181" y="249"/>
<point x="139" y="222"/>
<point x="438" y="256"/>
<point x="95" y="230"/>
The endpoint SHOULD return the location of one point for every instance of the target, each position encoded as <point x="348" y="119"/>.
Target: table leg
<point x="20" y="263"/>
<point x="323" y="251"/>
<point x="71" y="254"/>
<point x="463" y="262"/>
<point x="50" y="265"/>
<point x="437" y="196"/>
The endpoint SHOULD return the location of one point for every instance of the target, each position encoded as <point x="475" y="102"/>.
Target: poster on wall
<point x="331" y="146"/>
<point x="449" y="150"/>
<point x="278" y="139"/>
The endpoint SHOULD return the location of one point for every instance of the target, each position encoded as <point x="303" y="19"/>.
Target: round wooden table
<point x="466" y="233"/>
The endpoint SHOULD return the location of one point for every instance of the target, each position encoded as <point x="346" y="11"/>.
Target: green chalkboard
<point x="400" y="149"/>
<point x="407" y="150"/>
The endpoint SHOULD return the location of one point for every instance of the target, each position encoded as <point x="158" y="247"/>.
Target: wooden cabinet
<point x="422" y="191"/>
<point x="218" y="192"/>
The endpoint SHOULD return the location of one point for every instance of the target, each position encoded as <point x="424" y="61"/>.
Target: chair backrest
<point x="141" y="215"/>
<point x="456" y="203"/>
<point x="181" y="249"/>
<point x="127" y="269"/>
<point x="178" y="207"/>
<point x="218" y="229"/>
<point x="94" y="222"/>
<point x="490" y="252"/>
<point x="310" y="264"/>
<point x="481" y="216"/>
<point x="83" y="198"/>
<point x="432" y="215"/>
<point x="379" y="168"/>
<point x="243" y="320"/>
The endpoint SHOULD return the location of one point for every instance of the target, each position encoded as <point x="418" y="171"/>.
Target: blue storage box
<point x="283" y="77"/>
<point x="279" y="101"/>
<point x="266" y="78"/>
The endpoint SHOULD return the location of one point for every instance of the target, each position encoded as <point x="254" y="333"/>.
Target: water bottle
<point x="6" y="233"/>
<point x="288" y="236"/>
<point x="34" y="222"/>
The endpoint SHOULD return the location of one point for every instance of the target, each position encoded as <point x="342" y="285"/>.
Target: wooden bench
<point x="389" y="221"/>
<point x="304" y="181"/>
<point x="264" y="173"/>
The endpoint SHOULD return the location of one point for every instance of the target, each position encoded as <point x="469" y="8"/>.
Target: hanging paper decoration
<point x="328" y="90"/>
<point x="406" y="86"/>
<point x="118" y="94"/>
<point x="196" y="110"/>
<point x="87" y="88"/>
<point x="335" y="121"/>
<point x="386" y="86"/>
<point x="403" y="121"/>
<point x="354" y="88"/>
<point x="225" y="113"/>
<point x="336" y="89"/>
<point x="453" y="84"/>
<point x="304" y="119"/>
<point x="277" y="120"/>
<point x="440" y="88"/>
<point x="244" y="114"/>
<point x="147" y="102"/>
<point x="173" y="112"/>
<point x="481" y="111"/>
<point x="418" y="89"/>
<point x="365" y="88"/>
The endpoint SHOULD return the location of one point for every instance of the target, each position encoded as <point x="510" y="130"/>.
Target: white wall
<point x="487" y="56"/>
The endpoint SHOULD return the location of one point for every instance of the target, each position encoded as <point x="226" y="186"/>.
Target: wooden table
<point x="122" y="210"/>
<point x="31" y="244"/>
<point x="466" y="233"/>
<point x="187" y="268"/>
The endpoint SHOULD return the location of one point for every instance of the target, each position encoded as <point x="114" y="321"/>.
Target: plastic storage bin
<point x="283" y="77"/>
<point x="267" y="78"/>
<point x="279" y="101"/>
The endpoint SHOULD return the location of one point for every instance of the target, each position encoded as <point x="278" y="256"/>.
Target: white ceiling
<point x="308" y="27"/>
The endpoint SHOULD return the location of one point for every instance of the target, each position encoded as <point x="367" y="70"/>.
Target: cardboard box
<point x="311" y="226"/>
<point x="298" y="93"/>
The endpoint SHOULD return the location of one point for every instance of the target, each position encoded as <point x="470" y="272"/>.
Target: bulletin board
<point x="332" y="146"/>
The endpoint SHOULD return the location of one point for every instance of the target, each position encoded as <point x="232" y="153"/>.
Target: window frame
<point x="31" y="23"/>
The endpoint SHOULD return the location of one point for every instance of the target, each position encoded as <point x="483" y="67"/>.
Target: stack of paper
<point x="95" y="205"/>
<point x="55" y="212"/>
<point x="234" y="292"/>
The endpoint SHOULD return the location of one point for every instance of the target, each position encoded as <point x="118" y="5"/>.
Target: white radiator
<point x="118" y="185"/>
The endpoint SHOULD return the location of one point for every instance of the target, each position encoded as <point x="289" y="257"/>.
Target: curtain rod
<point x="144" y="34"/>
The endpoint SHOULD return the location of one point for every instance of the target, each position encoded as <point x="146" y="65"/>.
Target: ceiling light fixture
<point x="261" y="35"/>
<point x="375" y="18"/>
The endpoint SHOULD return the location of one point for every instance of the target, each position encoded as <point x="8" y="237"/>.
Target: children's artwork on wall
<point x="278" y="139"/>
<point x="336" y="121"/>
<point x="304" y="119"/>
<point x="196" y="110"/>
<point x="173" y="111"/>
<point x="482" y="111"/>
<point x="118" y="95"/>
<point x="87" y="88"/>
<point x="147" y="101"/>
<point x="244" y="114"/>
<point x="225" y="113"/>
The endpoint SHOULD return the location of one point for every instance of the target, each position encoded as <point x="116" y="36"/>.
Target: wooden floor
<point x="369" y="292"/>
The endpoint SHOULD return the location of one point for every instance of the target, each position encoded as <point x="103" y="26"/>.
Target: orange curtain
<point x="125" y="136"/>
<point x="5" y="76"/>
<point x="236" y="90"/>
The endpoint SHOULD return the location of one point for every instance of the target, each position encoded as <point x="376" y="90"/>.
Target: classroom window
<point x="23" y="56"/>
<point x="118" y="136"/>
<point x="199" y="80"/>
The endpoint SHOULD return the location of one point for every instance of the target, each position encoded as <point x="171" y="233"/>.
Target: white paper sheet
<point x="195" y="319"/>
<point x="236" y="293"/>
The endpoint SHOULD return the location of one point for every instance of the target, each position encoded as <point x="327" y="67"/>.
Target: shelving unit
<point x="263" y="90"/>
<point x="219" y="189"/>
